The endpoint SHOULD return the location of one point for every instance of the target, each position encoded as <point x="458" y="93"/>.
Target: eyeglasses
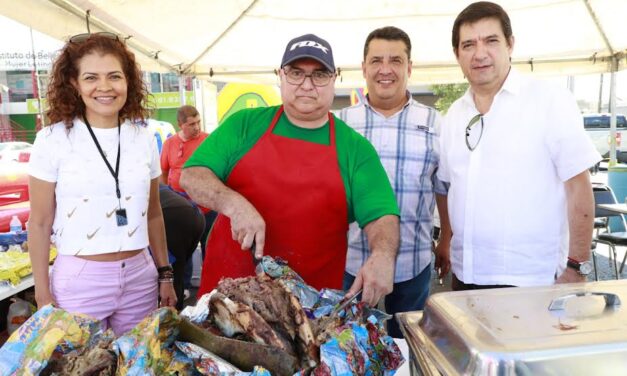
<point x="80" y="38"/>
<point x="297" y="76"/>
<point x="180" y="154"/>
<point x="473" y="134"/>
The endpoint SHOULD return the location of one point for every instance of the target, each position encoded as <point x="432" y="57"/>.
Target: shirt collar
<point x="407" y="95"/>
<point x="512" y="82"/>
<point x="511" y="85"/>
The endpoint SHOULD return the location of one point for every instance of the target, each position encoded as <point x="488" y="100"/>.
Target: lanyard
<point x="104" y="158"/>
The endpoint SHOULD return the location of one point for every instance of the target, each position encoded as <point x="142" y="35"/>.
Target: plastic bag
<point x="14" y="265"/>
<point x="148" y="349"/>
<point x="29" y="348"/>
<point x="19" y="311"/>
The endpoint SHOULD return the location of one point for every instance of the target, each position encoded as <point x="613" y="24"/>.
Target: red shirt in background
<point x="174" y="154"/>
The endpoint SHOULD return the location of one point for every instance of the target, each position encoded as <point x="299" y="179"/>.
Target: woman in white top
<point x="94" y="185"/>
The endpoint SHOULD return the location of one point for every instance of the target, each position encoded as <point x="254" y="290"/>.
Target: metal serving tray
<point x="567" y="329"/>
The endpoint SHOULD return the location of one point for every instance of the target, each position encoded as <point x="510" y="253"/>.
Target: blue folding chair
<point x="616" y="228"/>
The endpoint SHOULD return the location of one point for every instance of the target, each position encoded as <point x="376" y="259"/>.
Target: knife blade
<point x="256" y="261"/>
<point x="345" y="303"/>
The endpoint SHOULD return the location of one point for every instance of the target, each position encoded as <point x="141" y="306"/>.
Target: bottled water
<point x="15" y="225"/>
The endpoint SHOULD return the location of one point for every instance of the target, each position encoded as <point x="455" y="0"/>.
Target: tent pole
<point x="613" y="151"/>
<point x="597" y="23"/>
<point x="78" y="12"/>
<point x="613" y="69"/>
<point x="182" y="90"/>
<point x="37" y="83"/>
<point x="600" y="104"/>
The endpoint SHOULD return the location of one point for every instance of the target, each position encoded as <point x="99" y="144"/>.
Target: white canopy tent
<point x="243" y="40"/>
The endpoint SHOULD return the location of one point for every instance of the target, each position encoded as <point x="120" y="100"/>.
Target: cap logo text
<point x="309" y="43"/>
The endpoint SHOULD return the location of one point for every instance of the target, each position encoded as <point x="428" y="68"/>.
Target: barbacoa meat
<point x="96" y="361"/>
<point x="278" y="307"/>
<point x="234" y="318"/>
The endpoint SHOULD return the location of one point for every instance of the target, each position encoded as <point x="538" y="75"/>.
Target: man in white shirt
<point x="516" y="157"/>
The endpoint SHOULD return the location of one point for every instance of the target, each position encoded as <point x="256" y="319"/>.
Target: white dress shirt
<point x="506" y="201"/>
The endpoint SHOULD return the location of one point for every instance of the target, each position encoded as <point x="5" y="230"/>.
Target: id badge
<point x="120" y="216"/>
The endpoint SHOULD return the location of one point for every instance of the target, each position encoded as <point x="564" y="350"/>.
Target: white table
<point x="25" y="283"/>
<point x="617" y="208"/>
<point x="402" y="345"/>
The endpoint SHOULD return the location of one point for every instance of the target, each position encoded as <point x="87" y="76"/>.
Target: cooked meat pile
<point x="263" y="310"/>
<point x="96" y="361"/>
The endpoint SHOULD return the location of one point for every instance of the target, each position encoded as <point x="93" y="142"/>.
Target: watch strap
<point x="574" y="264"/>
<point x="577" y="265"/>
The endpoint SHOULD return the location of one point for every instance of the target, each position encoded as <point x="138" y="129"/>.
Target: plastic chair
<point x="616" y="234"/>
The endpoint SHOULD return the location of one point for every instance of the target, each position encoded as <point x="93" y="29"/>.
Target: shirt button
<point x="123" y="264"/>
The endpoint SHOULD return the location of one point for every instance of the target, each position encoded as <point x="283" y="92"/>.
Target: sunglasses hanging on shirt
<point x="474" y="131"/>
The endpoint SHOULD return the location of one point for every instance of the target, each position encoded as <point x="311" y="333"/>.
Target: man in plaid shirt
<point x="405" y="134"/>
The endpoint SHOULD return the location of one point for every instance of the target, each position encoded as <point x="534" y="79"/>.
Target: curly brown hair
<point x="63" y="99"/>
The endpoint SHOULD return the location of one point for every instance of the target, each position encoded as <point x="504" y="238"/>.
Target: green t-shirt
<point x="369" y="194"/>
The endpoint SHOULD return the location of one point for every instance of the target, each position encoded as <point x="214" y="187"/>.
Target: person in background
<point x="516" y="156"/>
<point x="184" y="225"/>
<point x="94" y="185"/>
<point x="289" y="179"/>
<point x="405" y="134"/>
<point x="176" y="150"/>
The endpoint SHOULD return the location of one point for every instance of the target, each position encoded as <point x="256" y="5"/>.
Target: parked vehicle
<point x="15" y="151"/>
<point x="14" y="196"/>
<point x="598" y="128"/>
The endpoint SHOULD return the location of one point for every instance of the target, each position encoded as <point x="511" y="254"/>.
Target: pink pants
<point x="120" y="293"/>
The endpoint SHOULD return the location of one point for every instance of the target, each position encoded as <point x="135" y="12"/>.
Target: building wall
<point x="167" y="114"/>
<point x="28" y="123"/>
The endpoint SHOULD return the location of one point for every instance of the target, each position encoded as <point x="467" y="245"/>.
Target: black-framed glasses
<point x="297" y="76"/>
<point x="474" y="133"/>
<point x="80" y="38"/>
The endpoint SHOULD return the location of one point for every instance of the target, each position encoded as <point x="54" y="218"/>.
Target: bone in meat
<point x="237" y="318"/>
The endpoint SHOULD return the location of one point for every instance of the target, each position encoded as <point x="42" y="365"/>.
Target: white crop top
<point x="85" y="221"/>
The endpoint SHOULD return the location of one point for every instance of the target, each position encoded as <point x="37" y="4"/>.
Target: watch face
<point x="585" y="267"/>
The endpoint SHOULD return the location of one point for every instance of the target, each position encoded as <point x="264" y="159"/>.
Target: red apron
<point x="297" y="188"/>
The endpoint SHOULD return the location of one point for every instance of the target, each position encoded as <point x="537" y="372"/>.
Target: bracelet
<point x="166" y="280"/>
<point x="165" y="268"/>
<point x="166" y="274"/>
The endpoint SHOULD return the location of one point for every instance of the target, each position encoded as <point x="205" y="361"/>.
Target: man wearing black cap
<point x="290" y="179"/>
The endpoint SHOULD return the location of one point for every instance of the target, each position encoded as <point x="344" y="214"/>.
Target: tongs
<point x="345" y="303"/>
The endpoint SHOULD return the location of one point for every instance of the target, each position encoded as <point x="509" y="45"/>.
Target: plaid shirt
<point x="408" y="146"/>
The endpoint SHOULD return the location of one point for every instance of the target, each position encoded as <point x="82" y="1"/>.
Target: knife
<point x="256" y="261"/>
<point x="345" y="303"/>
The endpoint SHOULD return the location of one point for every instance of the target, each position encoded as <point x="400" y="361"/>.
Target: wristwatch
<point x="582" y="267"/>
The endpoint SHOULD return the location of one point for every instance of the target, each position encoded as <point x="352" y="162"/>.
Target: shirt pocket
<point x="418" y="154"/>
<point x="63" y="280"/>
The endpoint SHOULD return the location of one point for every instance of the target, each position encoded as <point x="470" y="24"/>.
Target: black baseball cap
<point x="309" y="46"/>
